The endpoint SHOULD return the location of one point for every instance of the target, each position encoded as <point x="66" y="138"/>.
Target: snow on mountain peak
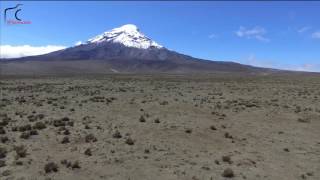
<point x="128" y="35"/>
<point x="128" y="28"/>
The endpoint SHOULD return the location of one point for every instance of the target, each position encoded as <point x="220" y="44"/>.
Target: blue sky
<point x="273" y="34"/>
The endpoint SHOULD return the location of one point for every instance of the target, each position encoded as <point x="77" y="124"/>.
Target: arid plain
<point x="160" y="127"/>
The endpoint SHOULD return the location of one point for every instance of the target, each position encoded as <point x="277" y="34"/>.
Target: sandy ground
<point x="160" y="127"/>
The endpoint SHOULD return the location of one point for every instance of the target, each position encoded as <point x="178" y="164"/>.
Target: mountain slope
<point x="124" y="49"/>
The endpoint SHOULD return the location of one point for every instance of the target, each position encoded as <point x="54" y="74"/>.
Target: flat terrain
<point x="160" y="127"/>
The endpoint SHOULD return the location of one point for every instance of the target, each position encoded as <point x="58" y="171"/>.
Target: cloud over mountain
<point x="316" y="35"/>
<point x="9" y="51"/>
<point x="256" y="32"/>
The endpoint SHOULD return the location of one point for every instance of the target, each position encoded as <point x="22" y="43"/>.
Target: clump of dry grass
<point x="228" y="173"/>
<point x="3" y="152"/>
<point x="51" y="167"/>
<point x="117" y="135"/>
<point x="142" y="119"/>
<point x="90" y="138"/>
<point x="130" y="141"/>
<point x="21" y="151"/>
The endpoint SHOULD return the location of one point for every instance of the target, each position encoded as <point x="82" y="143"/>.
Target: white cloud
<point x="8" y="51"/>
<point x="316" y="35"/>
<point x="254" y="33"/>
<point x="261" y="38"/>
<point x="308" y="67"/>
<point x="253" y="61"/>
<point x="212" y="36"/>
<point x="78" y="43"/>
<point x="304" y="29"/>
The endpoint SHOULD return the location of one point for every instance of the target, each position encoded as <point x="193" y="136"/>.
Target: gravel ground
<point x="134" y="127"/>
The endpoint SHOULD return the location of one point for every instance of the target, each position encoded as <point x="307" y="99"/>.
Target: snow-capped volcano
<point x="124" y="49"/>
<point x="128" y="35"/>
